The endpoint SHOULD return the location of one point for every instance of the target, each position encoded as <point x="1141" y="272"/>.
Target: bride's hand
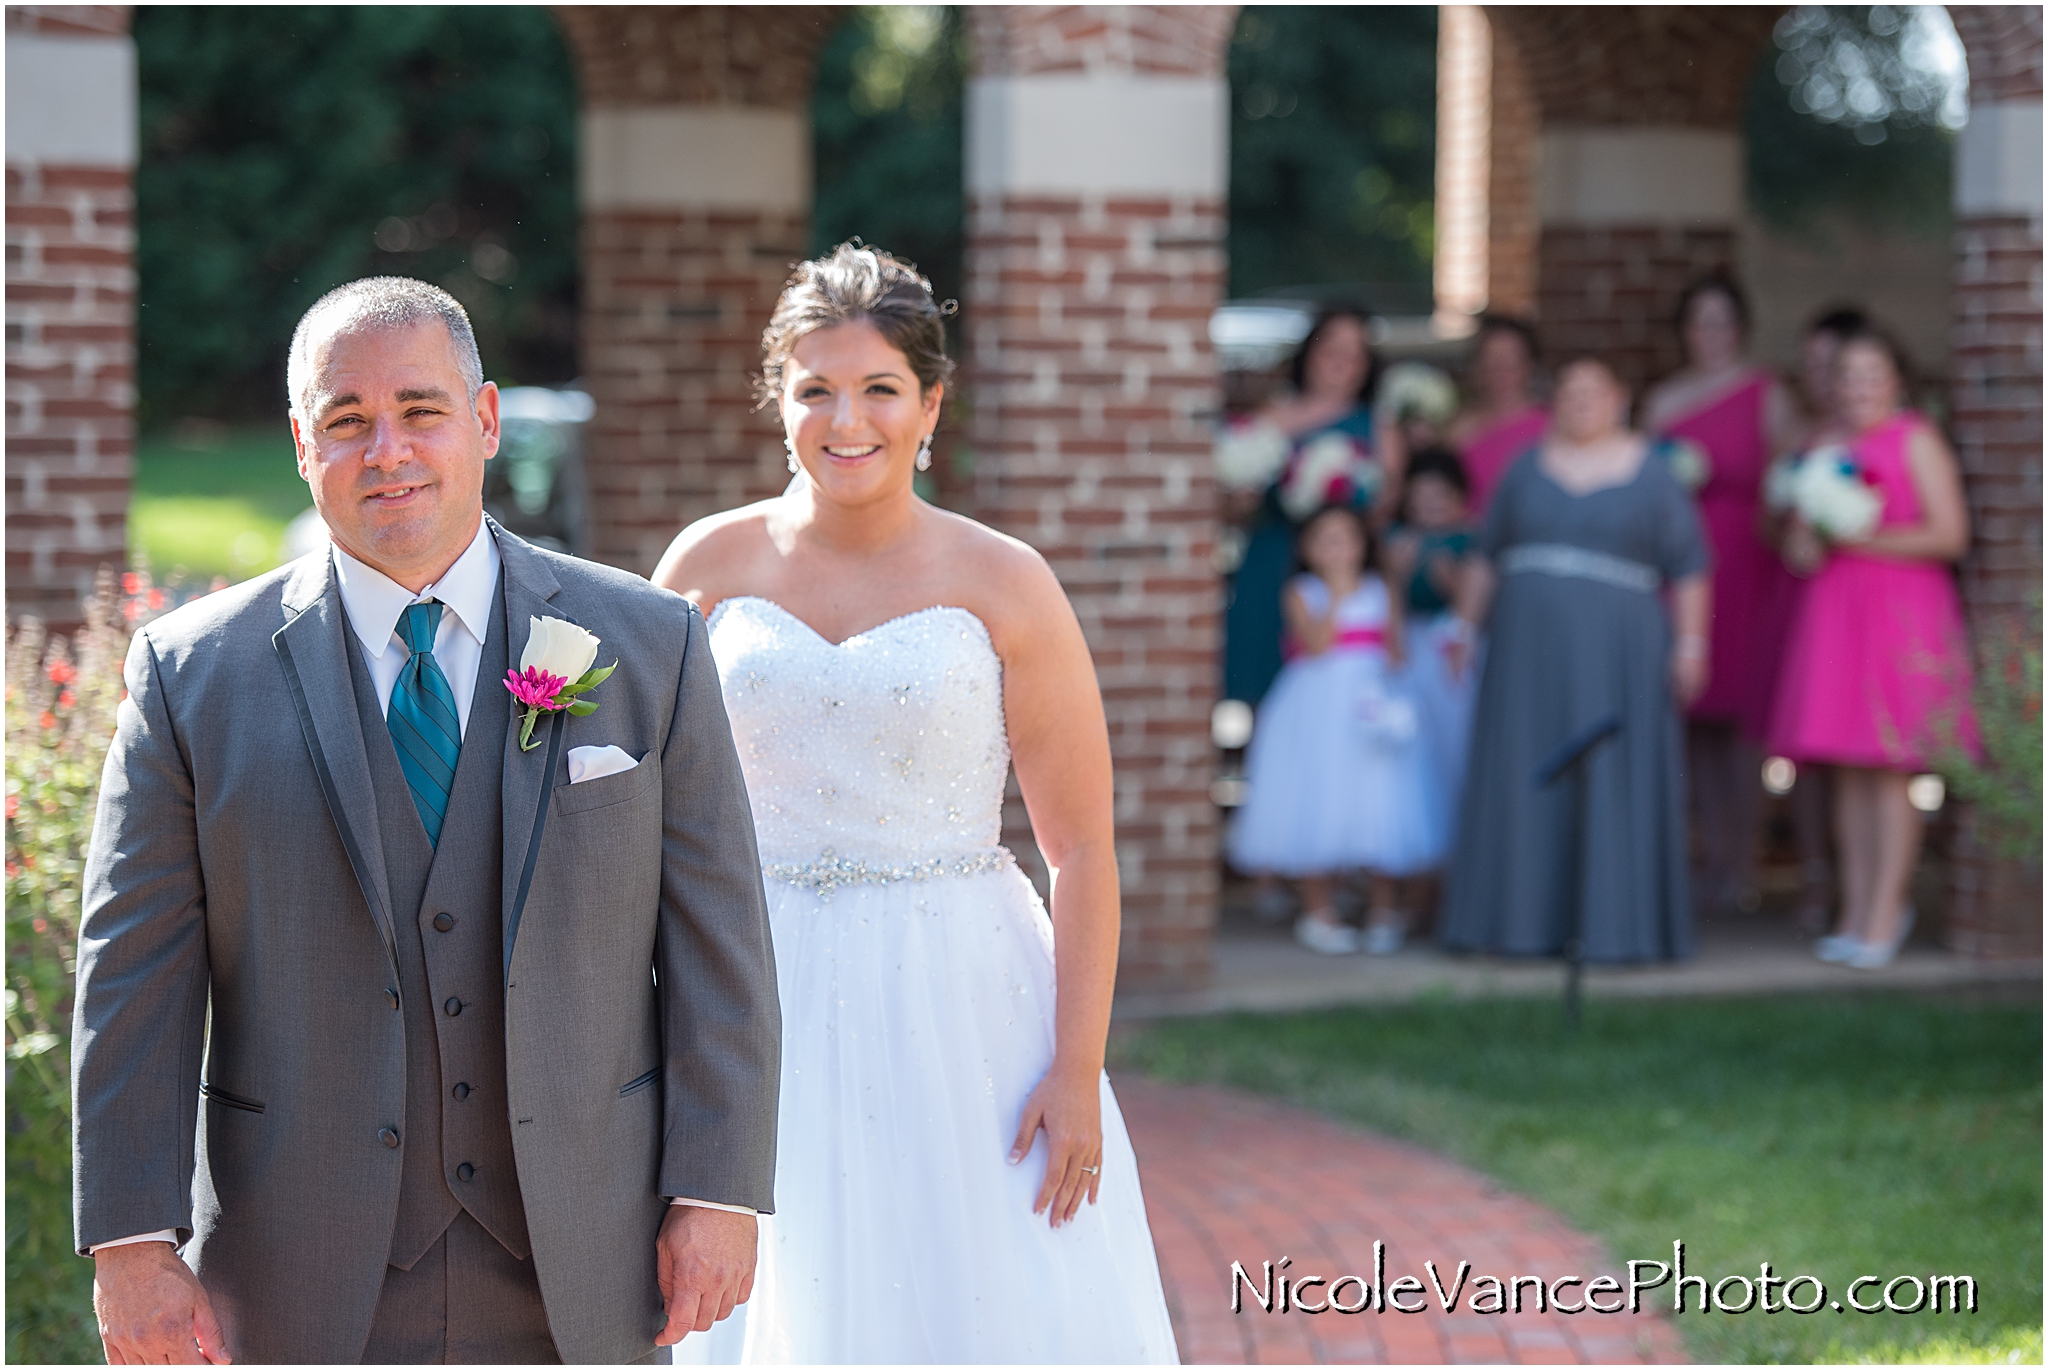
<point x="1069" y="1108"/>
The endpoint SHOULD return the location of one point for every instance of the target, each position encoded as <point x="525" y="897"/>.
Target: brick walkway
<point x="1231" y="1178"/>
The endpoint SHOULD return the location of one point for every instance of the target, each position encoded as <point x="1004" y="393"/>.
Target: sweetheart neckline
<point x="865" y="632"/>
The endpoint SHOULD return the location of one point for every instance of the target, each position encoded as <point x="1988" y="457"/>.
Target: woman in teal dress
<point x="1336" y="452"/>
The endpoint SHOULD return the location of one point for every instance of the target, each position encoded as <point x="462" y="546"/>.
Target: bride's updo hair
<point x="852" y="283"/>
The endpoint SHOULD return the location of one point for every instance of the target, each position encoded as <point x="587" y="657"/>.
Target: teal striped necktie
<point x="424" y="725"/>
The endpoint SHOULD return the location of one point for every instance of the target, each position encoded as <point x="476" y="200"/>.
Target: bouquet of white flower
<point x="1333" y="469"/>
<point x="1825" y="488"/>
<point x="1417" y="390"/>
<point x="1249" y="454"/>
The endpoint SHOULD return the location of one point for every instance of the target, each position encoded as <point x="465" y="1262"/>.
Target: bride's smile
<point x="854" y="413"/>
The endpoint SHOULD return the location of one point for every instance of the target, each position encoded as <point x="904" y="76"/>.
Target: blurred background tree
<point x="1333" y="152"/>
<point x="287" y="150"/>
<point x="886" y="111"/>
<point x="1854" y="110"/>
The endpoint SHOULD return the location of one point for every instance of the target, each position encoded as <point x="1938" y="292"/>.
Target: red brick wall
<point x="70" y="359"/>
<point x="2003" y="44"/>
<point x="1159" y="40"/>
<point x="696" y="54"/>
<point x="673" y="307"/>
<point x="1093" y="388"/>
<point x="1611" y="292"/>
<point x="1512" y="227"/>
<point x="1995" y="905"/>
<point x="1639" y="64"/>
<point x="1610" y="289"/>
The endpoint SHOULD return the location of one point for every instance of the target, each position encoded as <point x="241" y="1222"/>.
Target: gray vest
<point x="449" y="913"/>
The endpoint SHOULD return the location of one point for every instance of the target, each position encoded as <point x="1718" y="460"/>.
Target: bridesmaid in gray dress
<point x="1583" y="537"/>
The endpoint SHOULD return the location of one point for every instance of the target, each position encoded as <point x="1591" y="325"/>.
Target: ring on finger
<point x="1091" y="1170"/>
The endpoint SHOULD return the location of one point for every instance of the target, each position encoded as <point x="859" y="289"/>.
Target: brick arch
<point x="1637" y="64"/>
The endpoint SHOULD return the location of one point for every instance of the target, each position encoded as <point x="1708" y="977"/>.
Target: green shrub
<point x="2003" y="789"/>
<point x="61" y="698"/>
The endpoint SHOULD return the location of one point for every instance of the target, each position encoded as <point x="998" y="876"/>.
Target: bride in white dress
<point x="954" y="1182"/>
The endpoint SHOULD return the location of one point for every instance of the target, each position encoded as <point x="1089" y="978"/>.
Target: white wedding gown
<point x="915" y="967"/>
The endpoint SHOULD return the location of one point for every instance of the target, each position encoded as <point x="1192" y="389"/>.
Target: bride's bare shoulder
<point x="1003" y="579"/>
<point x="715" y="555"/>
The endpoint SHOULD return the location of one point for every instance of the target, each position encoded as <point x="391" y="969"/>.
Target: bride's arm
<point x="1059" y="743"/>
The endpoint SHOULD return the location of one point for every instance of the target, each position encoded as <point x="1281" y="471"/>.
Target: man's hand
<point x="704" y="1262"/>
<point x="152" y="1308"/>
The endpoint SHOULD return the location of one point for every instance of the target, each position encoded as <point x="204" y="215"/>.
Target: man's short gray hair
<point x="378" y="302"/>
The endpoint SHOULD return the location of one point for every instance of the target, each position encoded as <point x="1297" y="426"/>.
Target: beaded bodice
<point x="880" y="758"/>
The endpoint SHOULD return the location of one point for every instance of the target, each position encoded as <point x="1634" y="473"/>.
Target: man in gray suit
<point x="426" y="1046"/>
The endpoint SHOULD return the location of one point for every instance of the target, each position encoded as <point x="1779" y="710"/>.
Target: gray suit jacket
<point x="238" y="942"/>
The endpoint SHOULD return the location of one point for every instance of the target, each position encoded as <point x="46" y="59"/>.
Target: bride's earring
<point x="789" y="445"/>
<point x="924" y="453"/>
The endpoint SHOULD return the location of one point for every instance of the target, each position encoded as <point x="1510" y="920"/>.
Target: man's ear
<point x="487" y="416"/>
<point x="299" y="450"/>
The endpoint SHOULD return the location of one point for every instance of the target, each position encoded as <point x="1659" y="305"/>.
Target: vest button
<point x="392" y="995"/>
<point x="442" y="922"/>
<point x="462" y="1092"/>
<point x="465" y="1171"/>
<point x="387" y="1136"/>
<point x="452" y="1007"/>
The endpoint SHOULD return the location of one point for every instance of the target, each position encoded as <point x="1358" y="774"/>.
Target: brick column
<point x="71" y="139"/>
<point x="1995" y="907"/>
<point x="695" y="182"/>
<point x="1097" y="144"/>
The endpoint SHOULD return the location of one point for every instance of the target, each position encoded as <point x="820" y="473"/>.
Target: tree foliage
<point x="285" y="151"/>
<point x="887" y="114"/>
<point x="1853" y="112"/>
<point x="1333" y="150"/>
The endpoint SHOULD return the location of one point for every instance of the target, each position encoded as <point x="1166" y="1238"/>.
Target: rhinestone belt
<point x="830" y="871"/>
<point x="1563" y="559"/>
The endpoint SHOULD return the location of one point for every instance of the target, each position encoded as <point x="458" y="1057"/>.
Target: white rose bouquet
<point x="1825" y="488"/>
<point x="1417" y="390"/>
<point x="1250" y="454"/>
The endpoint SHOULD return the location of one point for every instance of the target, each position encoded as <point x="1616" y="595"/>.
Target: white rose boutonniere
<point x="554" y="671"/>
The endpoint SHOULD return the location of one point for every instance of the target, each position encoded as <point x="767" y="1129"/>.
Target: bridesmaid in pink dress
<point x="1876" y="679"/>
<point x="1501" y="419"/>
<point x="1740" y="416"/>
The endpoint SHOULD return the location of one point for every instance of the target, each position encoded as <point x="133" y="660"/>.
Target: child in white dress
<point x="1427" y="554"/>
<point x="1337" y="771"/>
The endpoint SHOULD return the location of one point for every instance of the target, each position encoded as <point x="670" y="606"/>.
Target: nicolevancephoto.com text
<point x="1273" y="1290"/>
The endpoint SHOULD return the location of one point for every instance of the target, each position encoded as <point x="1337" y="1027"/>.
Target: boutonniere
<point x="554" y="670"/>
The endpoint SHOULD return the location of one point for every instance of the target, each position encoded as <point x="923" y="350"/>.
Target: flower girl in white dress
<point x="1338" y="772"/>
<point x="953" y="1181"/>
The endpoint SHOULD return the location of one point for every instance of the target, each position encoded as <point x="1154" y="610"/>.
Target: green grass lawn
<point x="1833" y="1136"/>
<point x="214" y="503"/>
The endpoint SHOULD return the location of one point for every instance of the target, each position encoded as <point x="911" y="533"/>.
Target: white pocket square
<point x="594" y="763"/>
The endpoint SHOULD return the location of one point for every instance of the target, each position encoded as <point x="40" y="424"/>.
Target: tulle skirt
<point x="917" y="1017"/>
<point x="1331" y="789"/>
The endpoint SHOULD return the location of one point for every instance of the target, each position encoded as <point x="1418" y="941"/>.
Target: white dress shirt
<point x="374" y="603"/>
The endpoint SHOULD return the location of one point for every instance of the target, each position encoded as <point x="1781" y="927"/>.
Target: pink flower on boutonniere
<point x="557" y="653"/>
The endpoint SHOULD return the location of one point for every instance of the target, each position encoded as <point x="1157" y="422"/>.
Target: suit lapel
<point x="312" y="649"/>
<point x="530" y="586"/>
